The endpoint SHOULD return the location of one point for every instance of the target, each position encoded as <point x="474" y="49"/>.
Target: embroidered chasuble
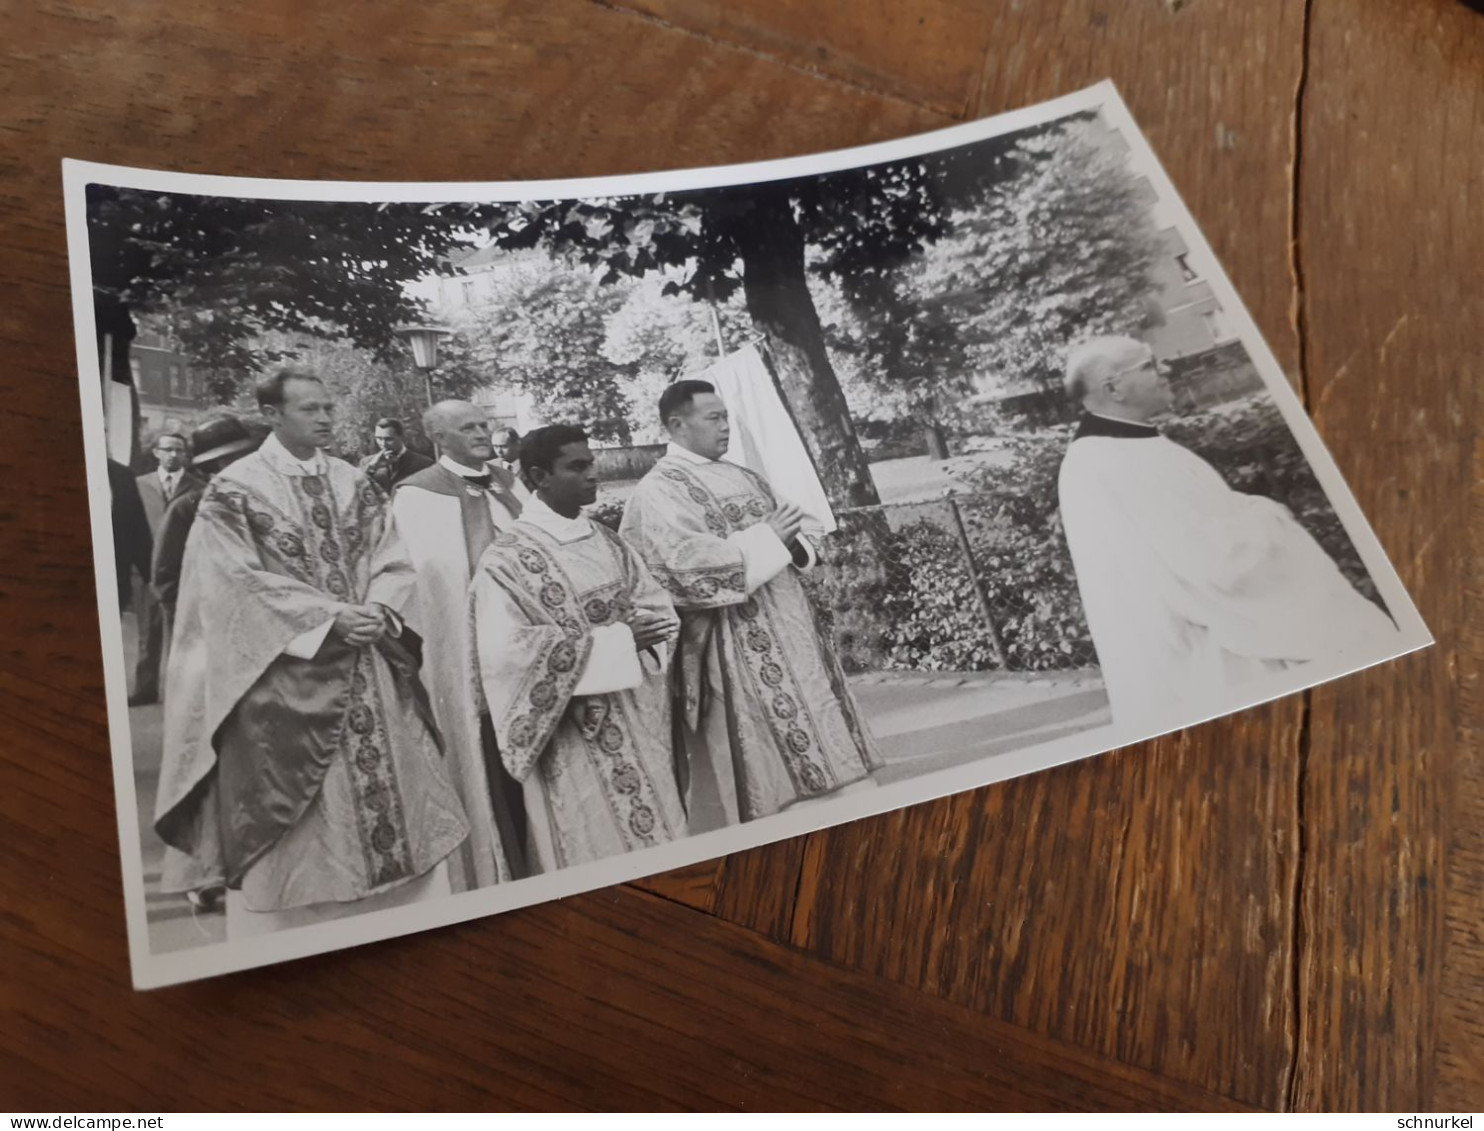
<point x="447" y="523"/>
<point x="768" y="718"/>
<point x="580" y="718"/>
<point x="1191" y="588"/>
<point x="298" y="769"/>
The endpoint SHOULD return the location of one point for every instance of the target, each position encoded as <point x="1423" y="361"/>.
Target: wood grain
<point x="615" y="1000"/>
<point x="1392" y="980"/>
<point x="1119" y="902"/>
<point x="930" y="51"/>
<point x="1279" y="909"/>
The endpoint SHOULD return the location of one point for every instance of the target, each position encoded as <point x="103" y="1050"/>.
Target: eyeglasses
<point x="1148" y="363"/>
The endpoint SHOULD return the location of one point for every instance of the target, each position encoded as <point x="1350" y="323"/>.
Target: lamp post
<point x="424" y="342"/>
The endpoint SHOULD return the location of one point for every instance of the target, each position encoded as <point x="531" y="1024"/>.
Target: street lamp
<point x="424" y="342"/>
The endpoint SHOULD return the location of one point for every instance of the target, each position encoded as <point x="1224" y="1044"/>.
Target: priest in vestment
<point x="767" y="718"/>
<point x="1190" y="588"/>
<point x="301" y="763"/>
<point x="447" y="514"/>
<point x="572" y="634"/>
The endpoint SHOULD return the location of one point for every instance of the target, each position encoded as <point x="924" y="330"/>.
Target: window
<point x="1183" y="260"/>
<point x="468" y="291"/>
<point x="179" y="385"/>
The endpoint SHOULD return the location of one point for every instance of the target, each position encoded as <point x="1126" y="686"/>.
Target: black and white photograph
<point x="466" y="546"/>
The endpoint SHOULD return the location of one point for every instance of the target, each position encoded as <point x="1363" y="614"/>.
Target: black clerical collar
<point x="1094" y="425"/>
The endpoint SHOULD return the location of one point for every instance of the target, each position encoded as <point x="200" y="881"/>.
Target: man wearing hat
<point x="218" y="443"/>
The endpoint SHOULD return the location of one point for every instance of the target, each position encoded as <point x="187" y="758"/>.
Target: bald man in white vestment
<point x="448" y="514"/>
<point x="1191" y="588"/>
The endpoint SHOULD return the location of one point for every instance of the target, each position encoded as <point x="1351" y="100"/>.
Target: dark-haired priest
<point x="573" y="635"/>
<point x="768" y="719"/>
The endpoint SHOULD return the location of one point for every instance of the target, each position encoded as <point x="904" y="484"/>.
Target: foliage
<point x="922" y="613"/>
<point x="1035" y="263"/>
<point x="365" y="388"/>
<point x="1057" y="246"/>
<point x="710" y="244"/>
<point x="227" y="270"/>
<point x="542" y="331"/>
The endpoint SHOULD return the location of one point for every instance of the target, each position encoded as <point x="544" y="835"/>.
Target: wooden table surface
<point x="1280" y="910"/>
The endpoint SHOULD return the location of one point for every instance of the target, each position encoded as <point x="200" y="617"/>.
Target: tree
<point x="1059" y="247"/>
<point x="753" y="237"/>
<point x="859" y="223"/>
<point x="365" y="387"/>
<point x="229" y="269"/>
<point x="543" y="331"/>
<point x="1063" y="251"/>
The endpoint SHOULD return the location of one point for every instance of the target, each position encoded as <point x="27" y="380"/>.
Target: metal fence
<point x="959" y="583"/>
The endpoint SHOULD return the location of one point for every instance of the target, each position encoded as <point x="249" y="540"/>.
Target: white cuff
<point x="811" y="555"/>
<point x="306" y="645"/>
<point x="613" y="664"/>
<point x="764" y="557"/>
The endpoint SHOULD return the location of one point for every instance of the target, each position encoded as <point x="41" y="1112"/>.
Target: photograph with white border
<point x="465" y="546"/>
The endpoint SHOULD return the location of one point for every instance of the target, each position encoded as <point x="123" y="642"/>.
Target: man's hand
<point x="786" y="522"/>
<point x="360" y="625"/>
<point x="651" y="628"/>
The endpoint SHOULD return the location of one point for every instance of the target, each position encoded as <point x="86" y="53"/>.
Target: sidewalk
<point x="927" y="721"/>
<point x="923" y="721"/>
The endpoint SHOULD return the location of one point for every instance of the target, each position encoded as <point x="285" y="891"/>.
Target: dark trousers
<point x="151" y="617"/>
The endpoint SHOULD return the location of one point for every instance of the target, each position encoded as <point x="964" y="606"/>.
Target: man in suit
<point x="215" y="445"/>
<point x="157" y="489"/>
<point x="394" y="461"/>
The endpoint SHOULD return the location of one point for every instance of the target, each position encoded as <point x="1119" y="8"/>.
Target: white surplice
<point x="582" y="718"/>
<point x="1192" y="589"/>
<point x="429" y="510"/>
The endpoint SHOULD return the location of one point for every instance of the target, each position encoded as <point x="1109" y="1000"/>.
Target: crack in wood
<point x="1298" y="937"/>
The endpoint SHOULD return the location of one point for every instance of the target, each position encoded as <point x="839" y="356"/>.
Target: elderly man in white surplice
<point x="1190" y="588"/>
<point x="767" y="719"/>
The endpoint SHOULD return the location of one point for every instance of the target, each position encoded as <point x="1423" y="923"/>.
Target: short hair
<point x="171" y="434"/>
<point x="269" y="391"/>
<point x="506" y="433"/>
<point x="390" y="422"/>
<point x="435" y="418"/>
<point x="540" y="447"/>
<point x="1093" y="360"/>
<point x="677" y="397"/>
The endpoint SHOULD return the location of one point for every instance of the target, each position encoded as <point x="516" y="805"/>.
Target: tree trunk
<point x="778" y="299"/>
<point x="937" y="442"/>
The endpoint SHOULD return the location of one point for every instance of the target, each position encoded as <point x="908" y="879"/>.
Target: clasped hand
<point x="360" y="625"/>
<point x="651" y="628"/>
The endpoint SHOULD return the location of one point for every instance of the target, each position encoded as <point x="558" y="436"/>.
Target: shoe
<point x="208" y="900"/>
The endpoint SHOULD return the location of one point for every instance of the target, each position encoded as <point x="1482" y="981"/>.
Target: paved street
<point x="923" y="721"/>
